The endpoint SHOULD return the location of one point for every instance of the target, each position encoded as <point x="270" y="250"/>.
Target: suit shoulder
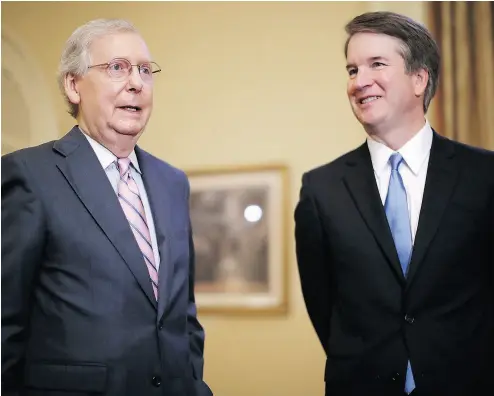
<point x="164" y="166"/>
<point x="475" y="157"/>
<point x="475" y="164"/>
<point x="334" y="168"/>
<point x="473" y="151"/>
<point x="30" y="154"/>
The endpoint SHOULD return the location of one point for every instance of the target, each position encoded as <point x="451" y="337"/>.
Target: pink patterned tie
<point x="128" y="195"/>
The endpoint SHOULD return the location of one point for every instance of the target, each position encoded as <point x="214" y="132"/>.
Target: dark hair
<point x="418" y="49"/>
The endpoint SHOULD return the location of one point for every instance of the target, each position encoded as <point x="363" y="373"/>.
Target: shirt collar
<point x="414" y="152"/>
<point x="106" y="157"/>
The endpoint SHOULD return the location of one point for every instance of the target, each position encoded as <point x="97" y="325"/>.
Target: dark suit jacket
<point x="78" y="311"/>
<point x="368" y="317"/>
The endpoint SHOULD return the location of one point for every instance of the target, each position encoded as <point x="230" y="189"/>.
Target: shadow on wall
<point x="28" y="116"/>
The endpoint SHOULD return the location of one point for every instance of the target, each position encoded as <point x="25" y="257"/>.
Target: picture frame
<point x="239" y="227"/>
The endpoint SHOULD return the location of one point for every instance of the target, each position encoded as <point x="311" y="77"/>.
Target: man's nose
<point x="363" y="79"/>
<point x="135" y="79"/>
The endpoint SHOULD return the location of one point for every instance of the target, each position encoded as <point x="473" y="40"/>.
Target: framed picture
<point x="239" y="230"/>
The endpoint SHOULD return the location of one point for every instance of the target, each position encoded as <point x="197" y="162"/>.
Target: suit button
<point x="156" y="381"/>
<point x="160" y="325"/>
<point x="409" y="319"/>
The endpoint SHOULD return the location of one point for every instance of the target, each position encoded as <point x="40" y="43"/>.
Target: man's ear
<point x="70" y="85"/>
<point x="421" y="78"/>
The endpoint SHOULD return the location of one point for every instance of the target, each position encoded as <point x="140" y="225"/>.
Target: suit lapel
<point x="360" y="182"/>
<point x="442" y="175"/>
<point x="82" y="169"/>
<point x="160" y="202"/>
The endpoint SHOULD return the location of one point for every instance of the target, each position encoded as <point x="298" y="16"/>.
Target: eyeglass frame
<point x="107" y="67"/>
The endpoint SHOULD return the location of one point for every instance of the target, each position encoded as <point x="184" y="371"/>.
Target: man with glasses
<point x="97" y="252"/>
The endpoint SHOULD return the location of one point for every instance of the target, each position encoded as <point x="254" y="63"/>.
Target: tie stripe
<point x="142" y="241"/>
<point x="136" y="193"/>
<point x="135" y="220"/>
<point x="133" y="208"/>
<point x="130" y="200"/>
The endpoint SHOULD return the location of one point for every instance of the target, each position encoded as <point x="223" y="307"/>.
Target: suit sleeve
<point x="491" y="259"/>
<point x="313" y="262"/>
<point x="22" y="249"/>
<point x="196" y="331"/>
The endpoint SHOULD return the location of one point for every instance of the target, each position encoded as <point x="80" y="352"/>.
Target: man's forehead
<point x="367" y="39"/>
<point x="120" y="45"/>
<point x="370" y="47"/>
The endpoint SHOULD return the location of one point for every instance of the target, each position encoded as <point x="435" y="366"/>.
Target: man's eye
<point x="145" y="69"/>
<point x="352" y="72"/>
<point x="117" y="66"/>
<point x="377" y="64"/>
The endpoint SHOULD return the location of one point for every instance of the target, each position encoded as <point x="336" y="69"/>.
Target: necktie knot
<point x="395" y="160"/>
<point x="123" y="166"/>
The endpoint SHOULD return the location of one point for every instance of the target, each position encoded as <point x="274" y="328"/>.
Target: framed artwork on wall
<point x="239" y="226"/>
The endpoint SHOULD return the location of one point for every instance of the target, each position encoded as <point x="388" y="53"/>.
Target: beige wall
<point x="242" y="83"/>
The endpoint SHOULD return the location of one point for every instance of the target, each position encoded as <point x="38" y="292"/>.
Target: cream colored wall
<point x="242" y="83"/>
<point x="28" y="115"/>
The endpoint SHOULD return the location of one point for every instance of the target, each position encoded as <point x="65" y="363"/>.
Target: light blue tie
<point x="396" y="208"/>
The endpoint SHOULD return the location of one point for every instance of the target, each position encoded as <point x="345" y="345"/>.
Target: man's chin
<point x="368" y="120"/>
<point x="129" y="132"/>
<point x="126" y="129"/>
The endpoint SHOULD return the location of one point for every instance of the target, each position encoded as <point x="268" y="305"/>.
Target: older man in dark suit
<point x="97" y="254"/>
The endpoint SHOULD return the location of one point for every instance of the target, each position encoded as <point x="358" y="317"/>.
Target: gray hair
<point x="418" y="48"/>
<point x="75" y="59"/>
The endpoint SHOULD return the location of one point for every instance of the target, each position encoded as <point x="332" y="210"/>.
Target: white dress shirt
<point x="108" y="162"/>
<point x="413" y="169"/>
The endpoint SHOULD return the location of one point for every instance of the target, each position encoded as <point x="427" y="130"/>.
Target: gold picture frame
<point x="239" y="226"/>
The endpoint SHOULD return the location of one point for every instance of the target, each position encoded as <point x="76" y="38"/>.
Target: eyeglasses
<point x="119" y="69"/>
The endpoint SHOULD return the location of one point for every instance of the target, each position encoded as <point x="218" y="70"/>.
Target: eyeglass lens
<point x="121" y="68"/>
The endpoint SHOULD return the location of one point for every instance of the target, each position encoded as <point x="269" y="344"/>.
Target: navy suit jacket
<point x="78" y="311"/>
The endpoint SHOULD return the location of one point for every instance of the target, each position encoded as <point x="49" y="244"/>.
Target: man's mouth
<point x="130" y="108"/>
<point x="368" y="99"/>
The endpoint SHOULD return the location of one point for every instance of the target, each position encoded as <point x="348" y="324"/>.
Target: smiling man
<point x="97" y="252"/>
<point x="395" y="240"/>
